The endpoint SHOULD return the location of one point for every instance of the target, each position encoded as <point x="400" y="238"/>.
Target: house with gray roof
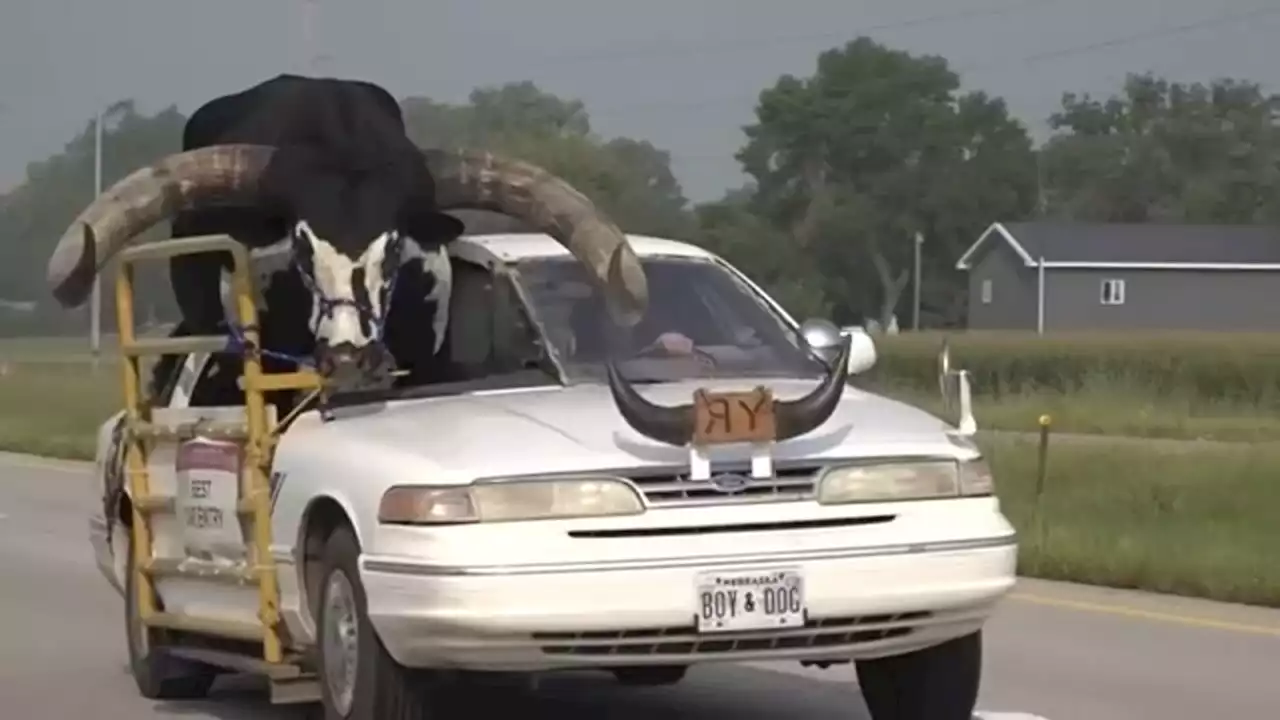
<point x="1065" y="276"/>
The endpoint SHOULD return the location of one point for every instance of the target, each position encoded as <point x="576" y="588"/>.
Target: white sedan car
<point x="541" y="515"/>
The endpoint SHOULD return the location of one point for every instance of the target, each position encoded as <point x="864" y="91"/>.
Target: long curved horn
<point x="480" y="180"/>
<point x="183" y="181"/>
<point x="674" y="425"/>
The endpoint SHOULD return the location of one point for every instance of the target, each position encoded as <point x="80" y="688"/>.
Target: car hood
<point x="576" y="428"/>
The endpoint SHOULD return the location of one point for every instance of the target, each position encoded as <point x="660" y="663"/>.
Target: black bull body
<point x="325" y="165"/>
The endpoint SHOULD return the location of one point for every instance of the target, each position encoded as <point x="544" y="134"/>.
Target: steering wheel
<point x="655" y="349"/>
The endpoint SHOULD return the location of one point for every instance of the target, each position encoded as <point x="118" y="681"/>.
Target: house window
<point x="1112" y="292"/>
<point x="986" y="292"/>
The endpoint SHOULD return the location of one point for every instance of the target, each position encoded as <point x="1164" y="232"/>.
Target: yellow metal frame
<point x="257" y="436"/>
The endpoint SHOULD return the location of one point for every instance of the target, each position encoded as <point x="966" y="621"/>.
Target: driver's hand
<point x="675" y="343"/>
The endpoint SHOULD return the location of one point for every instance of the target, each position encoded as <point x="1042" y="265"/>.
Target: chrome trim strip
<point x="373" y="563"/>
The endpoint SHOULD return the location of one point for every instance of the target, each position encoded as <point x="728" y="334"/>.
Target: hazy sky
<point x="682" y="73"/>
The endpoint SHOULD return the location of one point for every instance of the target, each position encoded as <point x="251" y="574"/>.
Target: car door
<point x="107" y="533"/>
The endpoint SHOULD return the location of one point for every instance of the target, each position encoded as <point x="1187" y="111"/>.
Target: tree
<point x="34" y="215"/>
<point x="517" y="109"/>
<point x="730" y="228"/>
<point x="875" y="146"/>
<point x="1168" y="152"/>
<point x="631" y="179"/>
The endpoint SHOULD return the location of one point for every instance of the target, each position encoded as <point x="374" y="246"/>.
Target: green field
<point x="1173" y="385"/>
<point x="1112" y="409"/>
<point x="1188" y="518"/>
<point x="1212" y="368"/>
<point x="51" y="407"/>
<point x="1195" y="518"/>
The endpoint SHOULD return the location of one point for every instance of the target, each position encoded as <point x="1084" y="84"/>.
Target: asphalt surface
<point x="1055" y="651"/>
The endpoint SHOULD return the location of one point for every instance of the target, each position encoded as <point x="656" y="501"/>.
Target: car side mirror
<point x="825" y="340"/>
<point x="966" y="424"/>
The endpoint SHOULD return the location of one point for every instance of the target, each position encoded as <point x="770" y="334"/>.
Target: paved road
<point x="1058" y="651"/>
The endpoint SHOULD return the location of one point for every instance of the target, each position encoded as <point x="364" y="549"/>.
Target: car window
<point x="489" y="330"/>
<point x="218" y="382"/>
<point x="699" y="299"/>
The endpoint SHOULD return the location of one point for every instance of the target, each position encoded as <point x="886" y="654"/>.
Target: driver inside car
<point x="586" y="338"/>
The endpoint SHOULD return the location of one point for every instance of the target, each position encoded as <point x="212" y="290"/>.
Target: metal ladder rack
<point x="255" y="434"/>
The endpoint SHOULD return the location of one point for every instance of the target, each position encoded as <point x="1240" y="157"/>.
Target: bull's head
<point x="350" y="276"/>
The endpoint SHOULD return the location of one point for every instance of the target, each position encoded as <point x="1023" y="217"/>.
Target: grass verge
<point x="51" y="407"/>
<point x="1185" y="518"/>
<point x="1213" y="366"/>
<point x="1105" y="408"/>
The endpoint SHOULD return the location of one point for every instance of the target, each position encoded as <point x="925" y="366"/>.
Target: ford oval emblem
<point x="730" y="482"/>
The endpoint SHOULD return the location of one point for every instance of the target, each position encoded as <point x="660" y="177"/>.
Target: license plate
<point x="759" y="600"/>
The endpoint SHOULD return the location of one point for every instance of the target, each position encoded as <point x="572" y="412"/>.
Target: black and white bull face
<point x="351" y="295"/>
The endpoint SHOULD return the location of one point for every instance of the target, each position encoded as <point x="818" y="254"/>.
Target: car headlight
<point x="891" y="481"/>
<point x="497" y="501"/>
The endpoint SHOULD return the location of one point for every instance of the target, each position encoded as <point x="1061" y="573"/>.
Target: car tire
<point x="378" y="687"/>
<point x="936" y="683"/>
<point x="158" y="676"/>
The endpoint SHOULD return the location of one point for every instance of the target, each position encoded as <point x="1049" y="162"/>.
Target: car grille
<point x="828" y="632"/>
<point x="678" y="489"/>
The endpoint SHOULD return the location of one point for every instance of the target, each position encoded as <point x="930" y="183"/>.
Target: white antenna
<point x="308" y="35"/>
<point x="312" y="57"/>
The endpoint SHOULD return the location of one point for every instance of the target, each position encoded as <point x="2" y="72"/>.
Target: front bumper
<point x="862" y="602"/>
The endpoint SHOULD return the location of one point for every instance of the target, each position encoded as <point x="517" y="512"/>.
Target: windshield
<point x="702" y="321"/>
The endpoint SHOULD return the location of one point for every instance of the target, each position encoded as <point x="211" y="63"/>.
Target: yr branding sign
<point x="722" y="418"/>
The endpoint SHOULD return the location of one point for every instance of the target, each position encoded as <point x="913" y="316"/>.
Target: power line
<point x="1224" y="19"/>
<point x="1003" y="63"/>
<point x="704" y="47"/>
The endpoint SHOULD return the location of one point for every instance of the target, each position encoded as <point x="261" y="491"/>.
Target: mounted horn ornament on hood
<point x="676" y="425"/>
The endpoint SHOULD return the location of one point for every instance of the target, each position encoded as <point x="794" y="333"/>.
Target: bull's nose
<point x="351" y="367"/>
<point x="332" y="357"/>
<point x="373" y="358"/>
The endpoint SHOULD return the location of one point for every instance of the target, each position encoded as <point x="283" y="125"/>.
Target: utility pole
<point x="1041" y="201"/>
<point x="915" y="285"/>
<point x="95" y="300"/>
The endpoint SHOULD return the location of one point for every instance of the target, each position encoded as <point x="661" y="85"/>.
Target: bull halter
<point x="328" y="306"/>
<point x="239" y="343"/>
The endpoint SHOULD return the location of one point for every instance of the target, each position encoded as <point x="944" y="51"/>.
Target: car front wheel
<point x="359" y="680"/>
<point x="936" y="683"/>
